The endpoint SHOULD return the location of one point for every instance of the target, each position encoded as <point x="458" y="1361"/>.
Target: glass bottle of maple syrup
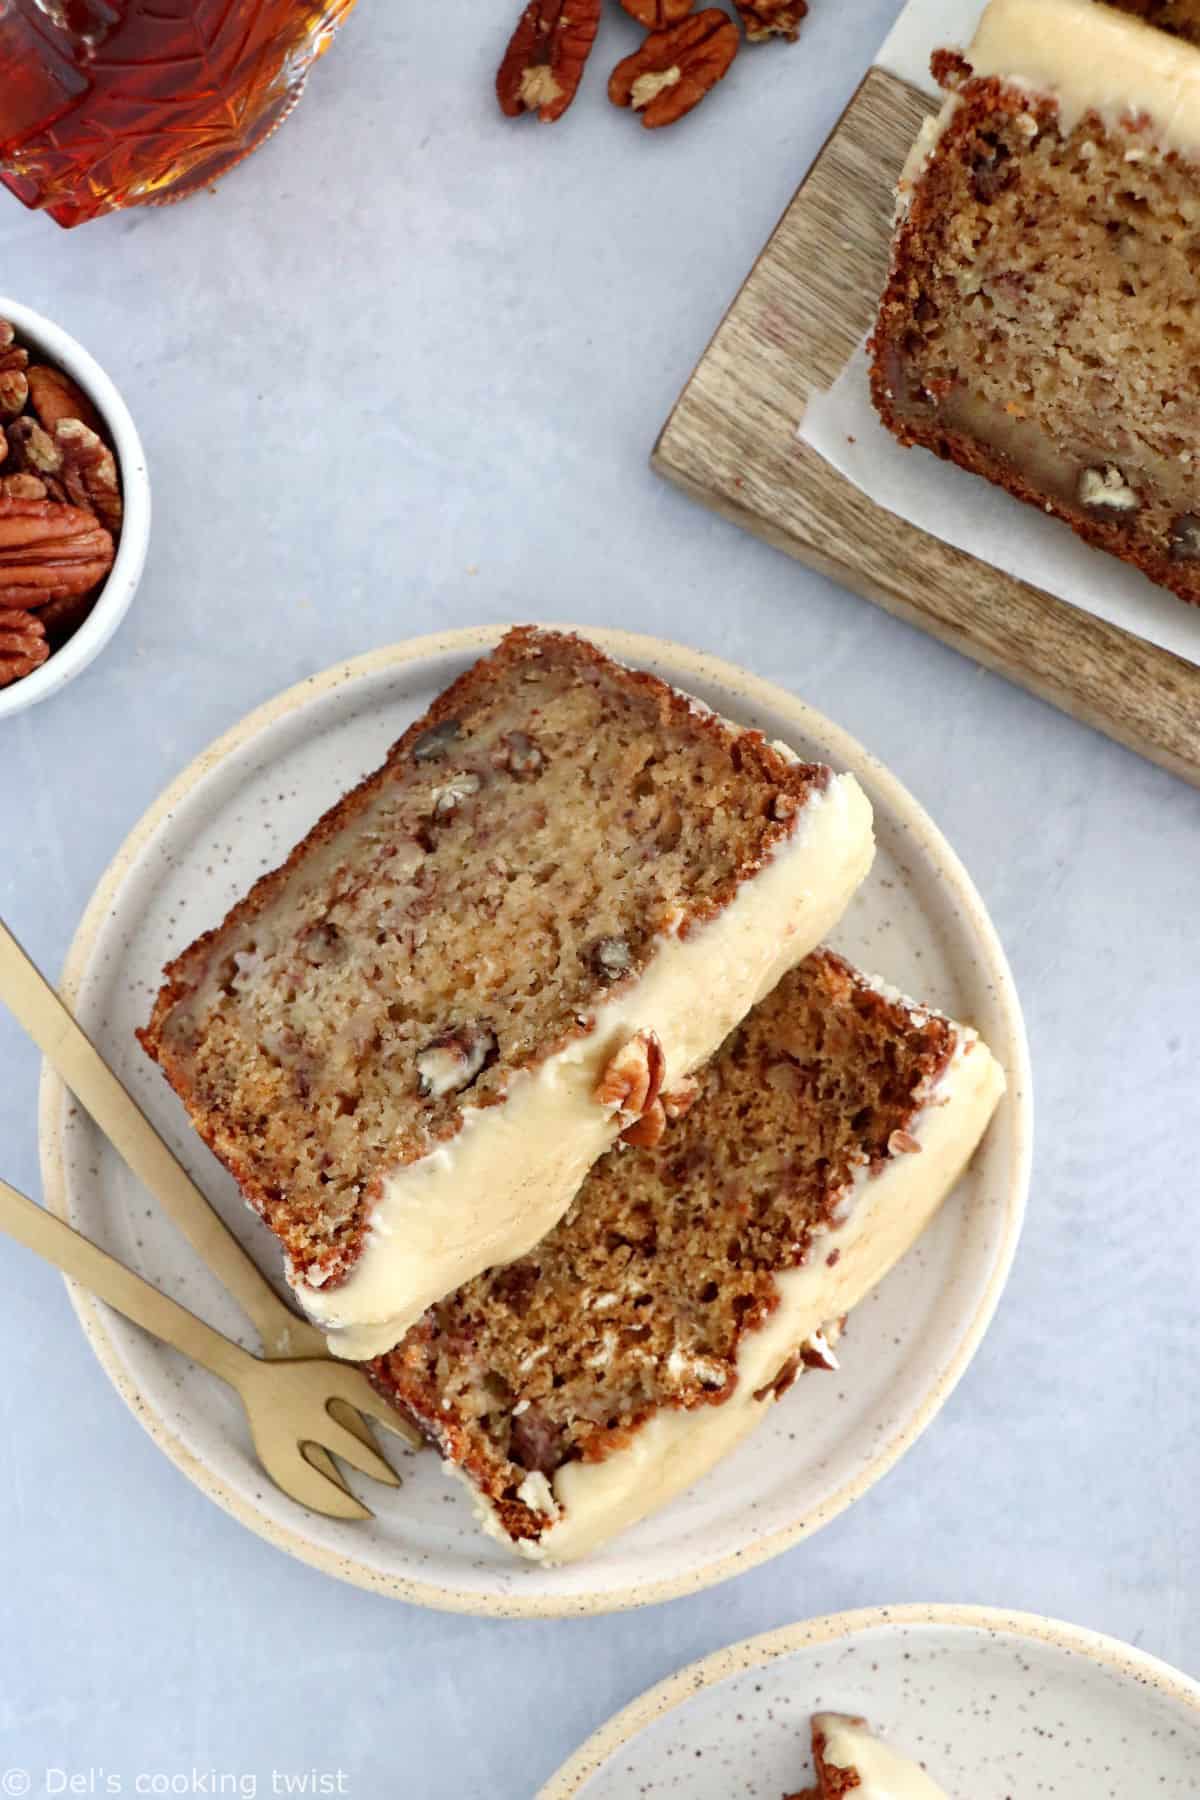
<point x="109" y="103"/>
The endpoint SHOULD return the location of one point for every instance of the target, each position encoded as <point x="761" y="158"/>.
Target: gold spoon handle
<point x="56" y="1241"/>
<point x="36" y="1006"/>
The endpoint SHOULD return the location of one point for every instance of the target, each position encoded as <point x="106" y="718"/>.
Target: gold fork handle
<point x="56" y="1241"/>
<point x="36" y="1006"/>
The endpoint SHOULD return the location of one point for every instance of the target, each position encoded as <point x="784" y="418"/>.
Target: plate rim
<point x="668" y="1695"/>
<point x="696" y="665"/>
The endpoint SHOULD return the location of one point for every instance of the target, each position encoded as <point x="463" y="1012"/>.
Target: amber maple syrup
<point x="107" y="103"/>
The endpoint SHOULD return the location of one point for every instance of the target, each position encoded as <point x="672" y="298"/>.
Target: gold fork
<point x="287" y="1403"/>
<point x="75" y="1059"/>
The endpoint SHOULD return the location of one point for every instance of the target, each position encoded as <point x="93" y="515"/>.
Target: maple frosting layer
<point x="883" y="1215"/>
<point x="883" y="1774"/>
<point x="495" y="1189"/>
<point x="1092" y="59"/>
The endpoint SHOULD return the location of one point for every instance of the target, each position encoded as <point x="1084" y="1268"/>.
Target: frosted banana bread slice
<point x="850" y="1759"/>
<point x="562" y="889"/>
<point x="594" y="1378"/>
<point x="1040" y="326"/>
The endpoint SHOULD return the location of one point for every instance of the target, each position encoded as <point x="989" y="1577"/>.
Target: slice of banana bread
<point x="565" y="885"/>
<point x="586" y="1383"/>
<point x="1040" y="325"/>
<point x="851" y="1760"/>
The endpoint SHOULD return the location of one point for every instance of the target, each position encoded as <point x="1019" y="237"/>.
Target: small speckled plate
<point x="996" y="1706"/>
<point x="236" y="812"/>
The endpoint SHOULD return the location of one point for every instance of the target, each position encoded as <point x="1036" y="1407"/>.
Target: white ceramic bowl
<point x="57" y="346"/>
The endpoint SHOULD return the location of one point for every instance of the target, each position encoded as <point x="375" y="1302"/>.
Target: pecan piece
<point x="610" y="958"/>
<point x="1107" y="490"/>
<point x="49" y="551"/>
<point x="454" y="1060"/>
<point x="647" y="1131"/>
<point x="655" y="14"/>
<point x="903" y="1143"/>
<point x="14" y="386"/>
<point x="89" y="472"/>
<point x="519" y="755"/>
<point x="448" y="799"/>
<point x="543" y="64"/>
<point x="11" y="354"/>
<point x="14" y="392"/>
<point x="817" y="1353"/>
<point x="779" y="1384"/>
<point x="632" y="1079"/>
<point x="33" y="450"/>
<point x="54" y="396"/>
<point x="23" y="646"/>
<point x="433" y="744"/>
<point x="1183" y="540"/>
<point x="675" y="68"/>
<point x="23" y="487"/>
<point x="762" y="19"/>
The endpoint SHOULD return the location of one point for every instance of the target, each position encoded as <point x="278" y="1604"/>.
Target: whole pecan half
<point x="543" y="64"/>
<point x="54" y="396"/>
<point x="23" y="646"/>
<point x="675" y="68"/>
<point x="762" y="19"/>
<point x="655" y="14"/>
<point x="89" y="472"/>
<point x="631" y="1080"/>
<point x="49" y="551"/>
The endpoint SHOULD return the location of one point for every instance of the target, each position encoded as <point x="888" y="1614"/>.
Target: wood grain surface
<point x="731" y="442"/>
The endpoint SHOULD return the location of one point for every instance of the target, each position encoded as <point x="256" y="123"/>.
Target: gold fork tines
<point x="287" y="1402"/>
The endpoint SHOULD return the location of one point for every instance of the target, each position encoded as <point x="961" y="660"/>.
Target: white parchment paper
<point x="961" y="509"/>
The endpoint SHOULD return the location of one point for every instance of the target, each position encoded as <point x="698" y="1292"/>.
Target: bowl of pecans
<point x="74" y="508"/>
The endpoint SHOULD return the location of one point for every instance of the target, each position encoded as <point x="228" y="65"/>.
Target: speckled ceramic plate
<point x="235" y="812"/>
<point x="997" y="1706"/>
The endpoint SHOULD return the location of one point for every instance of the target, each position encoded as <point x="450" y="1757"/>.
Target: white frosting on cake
<point x="883" y="1215"/>
<point x="1088" y="59"/>
<point x="496" y="1188"/>
<point x="883" y="1774"/>
<point x="1092" y="59"/>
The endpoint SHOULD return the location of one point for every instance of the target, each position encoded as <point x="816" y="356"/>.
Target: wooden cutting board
<point x="731" y="442"/>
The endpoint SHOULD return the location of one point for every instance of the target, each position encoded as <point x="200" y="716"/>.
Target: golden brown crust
<point x="986" y="107"/>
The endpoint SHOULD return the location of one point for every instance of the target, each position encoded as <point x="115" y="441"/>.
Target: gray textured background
<point x="403" y="371"/>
